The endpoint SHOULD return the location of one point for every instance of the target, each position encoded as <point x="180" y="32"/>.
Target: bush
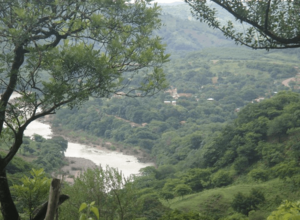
<point x="176" y="214"/>
<point x="182" y="190"/>
<point x="215" y="206"/>
<point x="259" y="175"/>
<point x="31" y="192"/>
<point x="287" y="210"/>
<point x="113" y="194"/>
<point x="240" y="164"/>
<point x="221" y="178"/>
<point x="244" y="204"/>
<point x="167" y="195"/>
<point x="236" y="216"/>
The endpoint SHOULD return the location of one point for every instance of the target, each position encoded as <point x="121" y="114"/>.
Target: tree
<point x="150" y="206"/>
<point x="167" y="195"/>
<point x="197" y="179"/>
<point x="88" y="208"/>
<point x="259" y="174"/>
<point x="269" y="24"/>
<point x="179" y="215"/>
<point x="221" y="178"/>
<point x="114" y="195"/>
<point x="244" y="204"/>
<point x="32" y="192"/>
<point x="57" y="53"/>
<point x="182" y="190"/>
<point x="287" y="210"/>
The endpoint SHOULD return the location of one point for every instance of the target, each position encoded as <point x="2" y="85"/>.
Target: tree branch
<point x="285" y="41"/>
<point x="18" y="61"/>
<point x="267" y="15"/>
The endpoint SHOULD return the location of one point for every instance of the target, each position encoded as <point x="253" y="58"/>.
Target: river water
<point x="126" y="163"/>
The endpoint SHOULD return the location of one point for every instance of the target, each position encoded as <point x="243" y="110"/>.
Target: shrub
<point x="246" y="203"/>
<point x="113" y="148"/>
<point x="287" y="210"/>
<point x="236" y="216"/>
<point x="182" y="190"/>
<point x="259" y="175"/>
<point x="221" y="178"/>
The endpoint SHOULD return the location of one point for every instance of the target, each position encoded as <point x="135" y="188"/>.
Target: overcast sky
<point x="168" y="1"/>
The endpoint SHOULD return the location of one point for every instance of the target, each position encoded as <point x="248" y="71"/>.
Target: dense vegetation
<point x="59" y="53"/>
<point x="200" y="145"/>
<point x="42" y="153"/>
<point x="155" y="122"/>
<point x="228" y="149"/>
<point x="259" y="25"/>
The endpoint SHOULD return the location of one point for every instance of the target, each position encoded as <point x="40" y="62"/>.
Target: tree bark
<point x="40" y="212"/>
<point x="53" y="199"/>
<point x="8" y="208"/>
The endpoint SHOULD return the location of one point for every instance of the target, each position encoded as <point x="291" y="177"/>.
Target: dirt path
<point x="133" y="124"/>
<point x="287" y="81"/>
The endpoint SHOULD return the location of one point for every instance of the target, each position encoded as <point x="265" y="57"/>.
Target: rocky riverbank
<point x="75" y="167"/>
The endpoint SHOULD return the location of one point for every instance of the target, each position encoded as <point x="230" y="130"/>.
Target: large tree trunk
<point x="8" y="208"/>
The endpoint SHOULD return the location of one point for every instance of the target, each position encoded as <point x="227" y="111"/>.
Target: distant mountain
<point x="182" y="33"/>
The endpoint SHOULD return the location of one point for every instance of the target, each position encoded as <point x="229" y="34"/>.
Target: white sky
<point x="168" y="1"/>
<point x="164" y="1"/>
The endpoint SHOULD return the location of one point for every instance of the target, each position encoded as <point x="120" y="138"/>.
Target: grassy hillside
<point x="217" y="202"/>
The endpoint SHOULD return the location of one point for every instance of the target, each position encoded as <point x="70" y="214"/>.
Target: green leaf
<point x="82" y="216"/>
<point x="82" y="206"/>
<point x="95" y="211"/>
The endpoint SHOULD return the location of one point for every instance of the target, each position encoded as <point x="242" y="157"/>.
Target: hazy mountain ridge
<point x="182" y="33"/>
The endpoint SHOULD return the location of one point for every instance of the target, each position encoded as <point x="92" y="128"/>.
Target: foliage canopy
<point x="56" y="53"/>
<point x="32" y="192"/>
<point x="268" y="24"/>
<point x="113" y="195"/>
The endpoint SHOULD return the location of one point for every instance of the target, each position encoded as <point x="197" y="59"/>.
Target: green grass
<point x="217" y="201"/>
<point x="193" y="201"/>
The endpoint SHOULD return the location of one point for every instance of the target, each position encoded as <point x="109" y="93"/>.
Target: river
<point x="126" y="163"/>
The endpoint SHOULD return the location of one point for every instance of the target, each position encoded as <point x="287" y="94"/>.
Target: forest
<point x="223" y="133"/>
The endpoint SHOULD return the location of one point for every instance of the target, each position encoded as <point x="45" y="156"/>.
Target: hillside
<point x="207" y="145"/>
<point x="182" y="35"/>
<point x="202" y="146"/>
<point x="224" y="135"/>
